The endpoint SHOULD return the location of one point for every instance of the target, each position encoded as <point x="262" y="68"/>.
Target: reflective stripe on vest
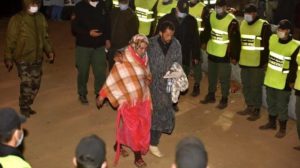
<point x="196" y="11"/>
<point x="279" y="62"/>
<point x="211" y="2"/>
<point x="12" y="161"/>
<point x="251" y="43"/>
<point x="218" y="43"/>
<point x="144" y="12"/>
<point x="115" y="3"/>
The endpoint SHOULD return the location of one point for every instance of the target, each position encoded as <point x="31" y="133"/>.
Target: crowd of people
<point x="151" y="47"/>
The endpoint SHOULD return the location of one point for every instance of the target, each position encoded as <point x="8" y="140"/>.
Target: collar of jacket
<point x="6" y="150"/>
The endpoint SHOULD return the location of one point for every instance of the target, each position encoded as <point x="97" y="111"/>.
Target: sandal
<point x="140" y="163"/>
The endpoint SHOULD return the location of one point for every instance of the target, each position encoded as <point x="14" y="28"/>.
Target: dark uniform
<point x="278" y="79"/>
<point x="27" y="40"/>
<point x="255" y="34"/>
<point x="200" y="11"/>
<point x="222" y="36"/>
<point x="124" y="25"/>
<point x="90" y="51"/>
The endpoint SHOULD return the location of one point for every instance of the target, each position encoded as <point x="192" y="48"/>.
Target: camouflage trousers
<point x="30" y="79"/>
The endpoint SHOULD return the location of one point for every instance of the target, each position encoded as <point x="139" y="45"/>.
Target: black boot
<point x="223" y="103"/>
<point x="175" y="107"/>
<point x="282" y="130"/>
<point x="247" y="111"/>
<point x="270" y="125"/>
<point x="196" y="90"/>
<point x="83" y="99"/>
<point x="254" y="115"/>
<point x="25" y="113"/>
<point x="209" y="98"/>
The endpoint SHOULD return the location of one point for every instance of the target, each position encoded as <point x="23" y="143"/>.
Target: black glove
<point x="8" y="64"/>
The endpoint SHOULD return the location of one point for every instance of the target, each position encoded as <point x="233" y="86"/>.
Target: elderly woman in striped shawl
<point x="127" y="88"/>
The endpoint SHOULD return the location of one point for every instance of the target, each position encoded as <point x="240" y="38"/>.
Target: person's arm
<point x="265" y="34"/>
<point x="178" y="53"/>
<point x="11" y="41"/>
<point x="12" y="37"/>
<point x="107" y="28"/>
<point x="46" y="41"/>
<point x="291" y="78"/>
<point x="205" y="35"/>
<point x="196" y="54"/>
<point x="234" y="46"/>
<point x="47" y="47"/>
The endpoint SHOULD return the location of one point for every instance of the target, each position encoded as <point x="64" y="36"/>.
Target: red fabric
<point x="134" y="131"/>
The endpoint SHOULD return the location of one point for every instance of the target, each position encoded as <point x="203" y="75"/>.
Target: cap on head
<point x="183" y="6"/>
<point x="91" y="151"/>
<point x="285" y="24"/>
<point x="221" y="3"/>
<point x="26" y="3"/>
<point x="10" y="120"/>
<point x="250" y="8"/>
<point x="191" y="153"/>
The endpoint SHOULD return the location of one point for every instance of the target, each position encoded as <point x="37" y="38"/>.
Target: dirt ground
<point x="231" y="140"/>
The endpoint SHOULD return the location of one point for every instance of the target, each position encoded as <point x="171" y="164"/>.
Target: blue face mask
<point x="123" y="7"/>
<point x="181" y="15"/>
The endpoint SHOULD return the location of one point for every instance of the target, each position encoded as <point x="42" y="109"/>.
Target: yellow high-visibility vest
<point x="115" y="3"/>
<point x="251" y="43"/>
<point x="143" y="9"/>
<point x="279" y="62"/>
<point x="196" y="11"/>
<point x="12" y="161"/>
<point x="162" y="9"/>
<point x="219" y="40"/>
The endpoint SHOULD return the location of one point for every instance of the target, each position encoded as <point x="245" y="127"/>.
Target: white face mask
<point x="123" y="7"/>
<point x="19" y="142"/>
<point x="248" y="18"/>
<point x="33" y="9"/>
<point x="219" y="10"/>
<point x="94" y="4"/>
<point x="181" y="15"/>
<point x="281" y="34"/>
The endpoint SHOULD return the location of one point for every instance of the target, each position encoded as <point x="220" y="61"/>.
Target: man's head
<point x="182" y="8"/>
<point x="124" y="4"/>
<point x="166" y="31"/>
<point x="31" y="6"/>
<point x="221" y="7"/>
<point x="285" y="29"/>
<point x="250" y="13"/>
<point x="90" y="153"/>
<point x="190" y="153"/>
<point x="11" y="132"/>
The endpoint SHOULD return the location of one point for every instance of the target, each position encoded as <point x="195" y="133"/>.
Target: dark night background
<point x="10" y="7"/>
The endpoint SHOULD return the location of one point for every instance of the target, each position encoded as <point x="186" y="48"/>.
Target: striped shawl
<point x="128" y="80"/>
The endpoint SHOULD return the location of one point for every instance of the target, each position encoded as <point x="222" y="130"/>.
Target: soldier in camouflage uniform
<point x="26" y="41"/>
